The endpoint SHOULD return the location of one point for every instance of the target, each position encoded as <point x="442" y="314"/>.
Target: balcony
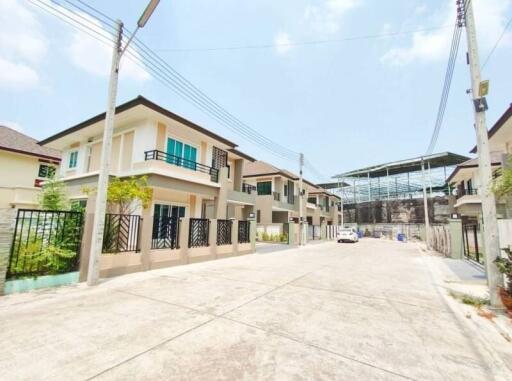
<point x="183" y="163"/>
<point x="466" y="197"/>
<point x="248" y="188"/>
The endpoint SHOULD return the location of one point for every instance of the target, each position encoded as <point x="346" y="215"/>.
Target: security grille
<point x="224" y="232"/>
<point x="121" y="233"/>
<point x="165" y="232"/>
<point x="244" y="230"/>
<point x="198" y="232"/>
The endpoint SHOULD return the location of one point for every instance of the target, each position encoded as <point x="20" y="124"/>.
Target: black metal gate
<point x="121" y="233"/>
<point x="45" y="242"/>
<point x="472" y="248"/>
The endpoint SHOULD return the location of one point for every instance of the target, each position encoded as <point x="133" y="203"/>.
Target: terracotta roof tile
<point x="12" y="140"/>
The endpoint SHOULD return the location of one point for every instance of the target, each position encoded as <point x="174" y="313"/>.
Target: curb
<point x="492" y="358"/>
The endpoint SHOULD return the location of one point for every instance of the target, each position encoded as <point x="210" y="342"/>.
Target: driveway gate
<point x="470" y="236"/>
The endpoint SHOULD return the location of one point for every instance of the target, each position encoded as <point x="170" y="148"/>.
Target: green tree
<point x="503" y="184"/>
<point x="122" y="194"/>
<point x="53" y="195"/>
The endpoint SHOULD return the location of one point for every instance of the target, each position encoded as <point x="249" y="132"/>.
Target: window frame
<point x="73" y="159"/>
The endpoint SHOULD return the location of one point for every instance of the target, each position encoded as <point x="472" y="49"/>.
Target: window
<point x="264" y="188"/>
<point x="286" y="190"/>
<point x="73" y="158"/>
<point x="312" y="200"/>
<point x="181" y="154"/>
<point x="165" y="210"/>
<point x="46" y="171"/>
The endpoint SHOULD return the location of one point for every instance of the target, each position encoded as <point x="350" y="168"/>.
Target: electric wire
<point x="303" y="43"/>
<point x="509" y="22"/>
<point x="173" y="80"/>
<point x="454" y="49"/>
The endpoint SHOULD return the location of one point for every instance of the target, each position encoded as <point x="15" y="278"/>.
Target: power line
<point x="304" y="43"/>
<point x="454" y="49"/>
<point x="170" y="78"/>
<point x="497" y="43"/>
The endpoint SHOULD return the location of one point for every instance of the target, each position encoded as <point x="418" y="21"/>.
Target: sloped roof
<point x="500" y="123"/>
<point x="473" y="163"/>
<point x="262" y="168"/>
<point x="139" y="101"/>
<point x="14" y="141"/>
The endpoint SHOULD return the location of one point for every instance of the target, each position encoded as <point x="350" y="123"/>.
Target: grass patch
<point x="470" y="300"/>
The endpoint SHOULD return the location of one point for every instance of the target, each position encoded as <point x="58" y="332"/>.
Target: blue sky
<point x="344" y="104"/>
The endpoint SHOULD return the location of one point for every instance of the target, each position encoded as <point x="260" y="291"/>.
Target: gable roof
<point x="501" y="121"/>
<point x="139" y="101"/>
<point x="473" y="163"/>
<point x="261" y="168"/>
<point x="14" y="141"/>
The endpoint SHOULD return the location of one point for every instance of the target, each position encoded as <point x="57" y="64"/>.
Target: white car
<point x="347" y="235"/>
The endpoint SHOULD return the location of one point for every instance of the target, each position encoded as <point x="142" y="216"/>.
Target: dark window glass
<point x="264" y="188"/>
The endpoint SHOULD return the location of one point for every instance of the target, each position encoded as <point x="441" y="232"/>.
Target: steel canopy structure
<point x="397" y="180"/>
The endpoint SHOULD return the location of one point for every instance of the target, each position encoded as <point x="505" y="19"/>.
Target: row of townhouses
<point x="209" y="199"/>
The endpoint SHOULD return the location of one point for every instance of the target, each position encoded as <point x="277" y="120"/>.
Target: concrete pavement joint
<point x="222" y="316"/>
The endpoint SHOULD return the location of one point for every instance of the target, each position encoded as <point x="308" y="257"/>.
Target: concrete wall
<point x="7" y="220"/>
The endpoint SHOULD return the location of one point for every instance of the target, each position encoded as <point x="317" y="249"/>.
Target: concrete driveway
<point x="333" y="311"/>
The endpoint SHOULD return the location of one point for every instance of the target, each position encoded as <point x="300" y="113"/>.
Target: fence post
<point x="183" y="239"/>
<point x="456" y="241"/>
<point x="212" y="237"/>
<point x="252" y="234"/>
<point x="6" y="236"/>
<point x="146" y="237"/>
<point x="234" y="236"/>
<point x="291" y="233"/>
<point x="85" y="248"/>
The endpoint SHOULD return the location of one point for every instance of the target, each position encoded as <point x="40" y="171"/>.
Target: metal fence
<point x="198" y="232"/>
<point x="121" y="233"/>
<point x="166" y="231"/>
<point x="45" y="243"/>
<point x="470" y="236"/>
<point x="244" y="232"/>
<point x="224" y="232"/>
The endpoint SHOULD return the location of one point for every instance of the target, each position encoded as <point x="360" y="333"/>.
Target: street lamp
<point x="101" y="193"/>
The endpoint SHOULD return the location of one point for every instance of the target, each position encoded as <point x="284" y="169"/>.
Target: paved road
<point x="332" y="311"/>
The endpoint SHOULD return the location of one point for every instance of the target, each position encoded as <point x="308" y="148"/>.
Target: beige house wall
<point x="17" y="175"/>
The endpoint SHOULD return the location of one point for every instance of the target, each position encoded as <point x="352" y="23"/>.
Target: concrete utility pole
<point x="101" y="200"/>
<point x="490" y="223"/>
<point x="301" y="224"/>
<point x="425" y="205"/>
<point x="93" y="272"/>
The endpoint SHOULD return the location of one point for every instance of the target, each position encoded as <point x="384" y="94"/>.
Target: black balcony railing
<point x="466" y="192"/>
<point x="277" y="196"/>
<point x="248" y="188"/>
<point x="181" y="162"/>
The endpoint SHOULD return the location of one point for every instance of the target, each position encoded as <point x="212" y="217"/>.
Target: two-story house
<point x="277" y="192"/>
<point x="322" y="207"/>
<point x="192" y="171"/>
<point x="24" y="165"/>
<point x="465" y="181"/>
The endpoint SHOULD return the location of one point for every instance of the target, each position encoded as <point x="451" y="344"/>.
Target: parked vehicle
<point x="347" y="235"/>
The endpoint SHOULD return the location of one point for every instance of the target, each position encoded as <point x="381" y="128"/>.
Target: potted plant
<point x="504" y="265"/>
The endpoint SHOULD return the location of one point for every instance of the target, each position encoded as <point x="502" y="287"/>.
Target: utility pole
<point x="93" y="272"/>
<point x="101" y="199"/>
<point x="301" y="195"/>
<point x="425" y="205"/>
<point x="490" y="223"/>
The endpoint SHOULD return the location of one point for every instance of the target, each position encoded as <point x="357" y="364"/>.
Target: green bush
<point x="47" y="260"/>
<point x="504" y="266"/>
<point x="266" y="237"/>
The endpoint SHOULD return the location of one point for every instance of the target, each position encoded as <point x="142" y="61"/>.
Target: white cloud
<point x="325" y="15"/>
<point x="22" y="46"/>
<point x="434" y="46"/>
<point x="93" y="56"/>
<point x="282" y="42"/>
<point x="17" y="76"/>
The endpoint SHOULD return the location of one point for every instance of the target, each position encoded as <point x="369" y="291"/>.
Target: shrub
<point x="48" y="260"/>
<point x="504" y="266"/>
